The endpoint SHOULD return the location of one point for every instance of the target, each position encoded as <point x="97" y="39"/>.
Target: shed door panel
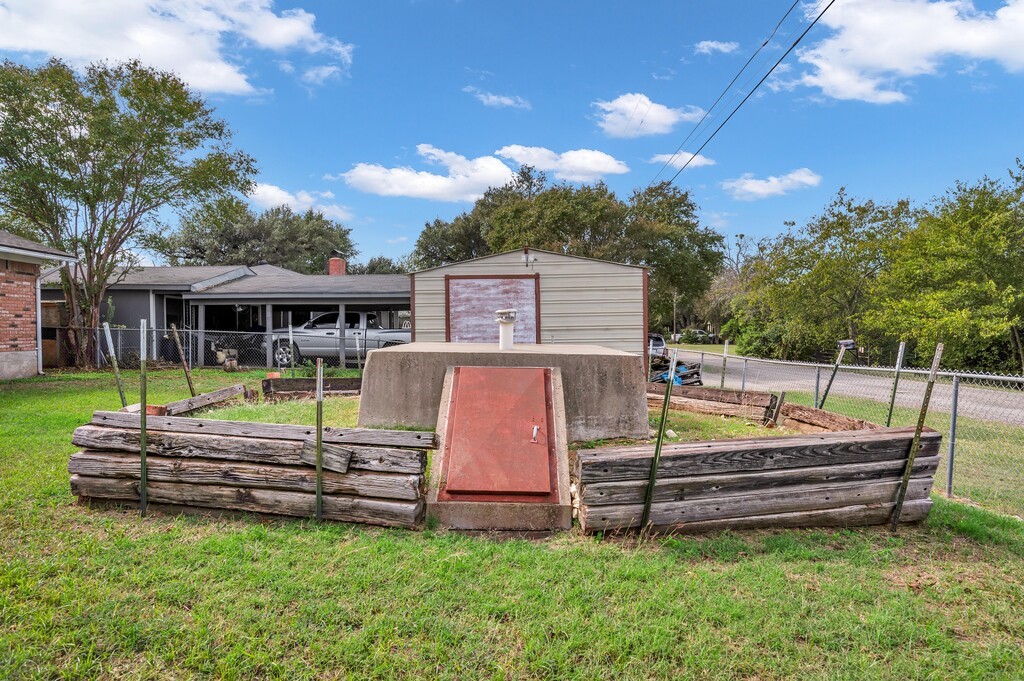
<point x="472" y="303"/>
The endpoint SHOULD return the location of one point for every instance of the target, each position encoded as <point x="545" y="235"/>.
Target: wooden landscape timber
<point x="193" y="403"/>
<point x="95" y="463"/>
<point x="370" y="476"/>
<point x="411" y="439"/>
<point x="301" y="388"/>
<point x="756" y="406"/>
<point x="811" y="420"/>
<point x="274" y="502"/>
<point x="272" y="451"/>
<point x="834" y="479"/>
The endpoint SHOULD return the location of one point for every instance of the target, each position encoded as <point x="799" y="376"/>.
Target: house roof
<point x="180" y="277"/>
<point x="12" y="244"/>
<point x="530" y="250"/>
<point x="204" y="282"/>
<point x="288" y="284"/>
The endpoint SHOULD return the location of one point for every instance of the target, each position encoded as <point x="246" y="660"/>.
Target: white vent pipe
<point x="506" y="327"/>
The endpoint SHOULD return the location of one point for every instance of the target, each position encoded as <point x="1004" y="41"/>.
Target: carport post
<point x="291" y="343"/>
<point x="952" y="435"/>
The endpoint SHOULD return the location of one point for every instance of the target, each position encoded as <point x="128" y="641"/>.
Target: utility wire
<point x="749" y="94"/>
<point x="727" y="87"/>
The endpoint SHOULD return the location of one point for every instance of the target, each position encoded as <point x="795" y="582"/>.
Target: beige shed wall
<point x="581" y="301"/>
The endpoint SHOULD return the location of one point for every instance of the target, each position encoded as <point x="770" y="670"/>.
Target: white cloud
<point x="749" y="188"/>
<point x="680" y="158"/>
<point x="709" y="46"/>
<point x="271" y="196"/>
<point x="397" y="240"/>
<point x="318" y="75"/>
<point x="498" y="101"/>
<point x="877" y="45"/>
<point x="465" y="179"/>
<point x="578" y="165"/>
<point x="635" y="115"/>
<point x="197" y="39"/>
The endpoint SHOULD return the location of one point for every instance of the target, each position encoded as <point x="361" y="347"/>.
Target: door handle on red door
<point x="536" y="430"/>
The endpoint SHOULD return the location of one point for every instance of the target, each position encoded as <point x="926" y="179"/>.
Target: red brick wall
<point x="17" y="305"/>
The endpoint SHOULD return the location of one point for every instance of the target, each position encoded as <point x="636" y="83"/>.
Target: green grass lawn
<point x="88" y="593"/>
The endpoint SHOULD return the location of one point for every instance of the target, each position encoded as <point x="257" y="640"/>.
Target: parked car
<point x="322" y="337"/>
<point x="656" y="344"/>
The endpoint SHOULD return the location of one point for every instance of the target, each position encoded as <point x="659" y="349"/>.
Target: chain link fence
<point x="980" y="416"/>
<point x="211" y="348"/>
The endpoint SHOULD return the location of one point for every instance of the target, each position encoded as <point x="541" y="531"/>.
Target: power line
<point x="727" y="87"/>
<point x="774" y="66"/>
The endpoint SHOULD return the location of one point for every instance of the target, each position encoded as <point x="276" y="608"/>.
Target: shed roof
<point x="528" y="250"/>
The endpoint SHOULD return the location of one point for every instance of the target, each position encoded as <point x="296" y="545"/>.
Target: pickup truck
<point x="322" y="337"/>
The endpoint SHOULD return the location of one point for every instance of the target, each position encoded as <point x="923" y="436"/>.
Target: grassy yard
<point x="88" y="593"/>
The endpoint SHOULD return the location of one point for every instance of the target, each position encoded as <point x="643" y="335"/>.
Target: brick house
<point x="19" y="304"/>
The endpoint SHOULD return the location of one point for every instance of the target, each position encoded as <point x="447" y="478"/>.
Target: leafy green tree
<point x="813" y="286"/>
<point x="90" y="160"/>
<point x="381" y="264"/>
<point x="958" y="277"/>
<point x="442" y="243"/>
<point x="228" y="232"/>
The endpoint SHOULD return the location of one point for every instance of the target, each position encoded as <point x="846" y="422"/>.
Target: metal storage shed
<point x="560" y="299"/>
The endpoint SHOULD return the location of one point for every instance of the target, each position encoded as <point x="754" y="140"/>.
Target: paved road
<point x="989" y="403"/>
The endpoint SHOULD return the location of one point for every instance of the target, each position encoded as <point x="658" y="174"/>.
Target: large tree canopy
<point x="89" y="160"/>
<point x="228" y="232"/>
<point x="958" y="277"/>
<point x="657" y="228"/>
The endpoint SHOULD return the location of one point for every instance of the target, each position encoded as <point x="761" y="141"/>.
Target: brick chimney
<point x="336" y="267"/>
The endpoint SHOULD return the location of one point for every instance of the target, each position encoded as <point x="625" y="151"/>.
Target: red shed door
<point x="472" y="302"/>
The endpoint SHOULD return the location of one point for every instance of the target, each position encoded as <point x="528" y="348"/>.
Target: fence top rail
<point x="970" y="375"/>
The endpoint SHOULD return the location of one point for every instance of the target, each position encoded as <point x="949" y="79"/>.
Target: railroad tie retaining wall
<point x="828" y="479"/>
<point x="371" y="476"/>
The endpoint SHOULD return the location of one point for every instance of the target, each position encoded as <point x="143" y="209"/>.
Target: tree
<point x="813" y="286"/>
<point x="91" y="160"/>
<point x="442" y="243"/>
<point x="958" y="277"/>
<point x="381" y="264"/>
<point x="228" y="232"/>
<point x="664" y="234"/>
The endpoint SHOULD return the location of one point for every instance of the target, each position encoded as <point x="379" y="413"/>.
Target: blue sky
<point x="389" y="114"/>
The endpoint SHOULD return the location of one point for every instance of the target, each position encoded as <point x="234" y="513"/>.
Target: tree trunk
<point x="1020" y="346"/>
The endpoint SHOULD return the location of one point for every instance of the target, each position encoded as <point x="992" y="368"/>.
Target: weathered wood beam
<point x="693" y="392"/>
<point x="204" y="400"/>
<point x="335" y="457"/>
<point x="215" y="446"/>
<point x="216" y="472"/>
<point x="728" y="456"/>
<point x="412" y="439"/>
<point x="781" y="500"/>
<point x="276" y="502"/>
<point x="717" y="486"/>
<point x="846" y="516"/>
<point x="709" y="407"/>
<point x="308" y="385"/>
<point x="821" y="418"/>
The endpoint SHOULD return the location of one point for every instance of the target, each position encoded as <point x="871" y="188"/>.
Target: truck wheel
<point x="283" y="352"/>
